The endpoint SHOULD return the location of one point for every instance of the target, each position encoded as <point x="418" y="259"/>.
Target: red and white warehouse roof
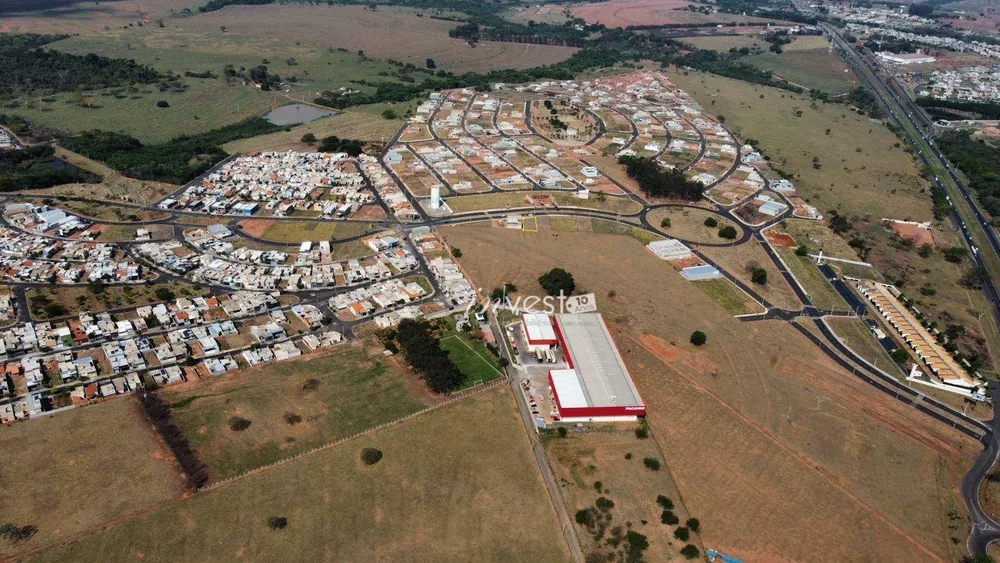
<point x="538" y="328"/>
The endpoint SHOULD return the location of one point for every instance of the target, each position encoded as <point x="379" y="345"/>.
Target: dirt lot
<point x="583" y="459"/>
<point x="623" y="13"/>
<point x="356" y="390"/>
<point x="79" y="469"/>
<point x="338" y="509"/>
<point x="757" y="427"/>
<point x="689" y="224"/>
<point x="81" y="298"/>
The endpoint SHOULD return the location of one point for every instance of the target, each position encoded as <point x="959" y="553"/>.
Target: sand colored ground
<point x="456" y="484"/>
<point x="763" y="434"/>
<point x="623" y="13"/>
<point x="79" y="469"/>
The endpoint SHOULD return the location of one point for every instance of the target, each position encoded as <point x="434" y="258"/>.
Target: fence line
<point x="453" y="398"/>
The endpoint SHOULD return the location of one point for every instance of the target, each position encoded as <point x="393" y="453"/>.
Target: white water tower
<point x="436" y="197"/>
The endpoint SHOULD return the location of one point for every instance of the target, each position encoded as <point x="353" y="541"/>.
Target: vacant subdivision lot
<point x="583" y="460"/>
<point x="757" y="427"/>
<point x="294" y="232"/>
<point x="733" y="299"/>
<point x="351" y="124"/>
<point x="76" y="470"/>
<point x="740" y="261"/>
<point x="858" y="337"/>
<point x="96" y="299"/>
<point x="350" y="389"/>
<point x="820" y="292"/>
<point x="688" y="224"/>
<point x="339" y="509"/>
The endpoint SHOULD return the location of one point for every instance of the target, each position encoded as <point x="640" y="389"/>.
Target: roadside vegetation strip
<point x="452" y="399"/>
<point x="733" y="299"/>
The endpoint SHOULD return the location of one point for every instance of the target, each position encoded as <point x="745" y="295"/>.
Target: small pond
<point x="295" y="114"/>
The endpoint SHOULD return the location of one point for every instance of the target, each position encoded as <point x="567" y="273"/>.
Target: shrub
<point x="277" y="522"/>
<point x="802" y="251"/>
<point x="682" y="534"/>
<point x="598" y="486"/>
<point x="389" y="114"/>
<point x="698" y="338"/>
<point x="690" y="552"/>
<point x="628" y="455"/>
<point x="309" y="138"/>
<point x="292" y="419"/>
<point x="456" y="252"/>
<point x="651" y="463"/>
<point x="239" y="424"/>
<point x="694" y="525"/>
<point x="899" y="356"/>
<point x="665" y="502"/>
<point x="371" y="456"/>
<point x="669" y="518"/>
<point x="604" y="504"/>
<point x="642" y="432"/>
<point x="164" y="294"/>
<point x="162" y="104"/>
<point x="711" y="222"/>
<point x="955" y="254"/>
<point x="665" y="223"/>
<point x="562" y="432"/>
<point x="13" y="533"/>
<point x="728" y="232"/>
<point x="311" y="384"/>
<point x="54" y="310"/>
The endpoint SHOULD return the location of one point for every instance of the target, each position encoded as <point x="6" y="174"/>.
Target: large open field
<point x="724" y="42"/>
<point x="741" y="260"/>
<point x="356" y="390"/>
<point x="623" y="13"/>
<point x="763" y="434"/>
<point x="71" y="17"/>
<point x="808" y="62"/>
<point x="456" y="484"/>
<point x="294" y="232"/>
<point x="77" y="470"/>
<point x="350" y="124"/>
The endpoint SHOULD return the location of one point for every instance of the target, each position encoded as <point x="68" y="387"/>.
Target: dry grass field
<point x="456" y="484"/>
<point x="763" y="434"/>
<point x="351" y="124"/>
<point x="467" y="203"/>
<point x="583" y="459"/>
<point x="740" y="262"/>
<point x="815" y="285"/>
<point x="856" y="335"/>
<point x="48" y="16"/>
<point x="79" y="469"/>
<point x="688" y="224"/>
<point x="294" y="232"/>
<point x="80" y="298"/>
<point x="623" y="13"/>
<point x="724" y="42"/>
<point x="356" y="389"/>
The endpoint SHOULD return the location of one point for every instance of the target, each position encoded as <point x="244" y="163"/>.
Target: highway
<point x="985" y="529"/>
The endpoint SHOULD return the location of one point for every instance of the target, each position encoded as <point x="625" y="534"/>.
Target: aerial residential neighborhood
<point x="623" y="280"/>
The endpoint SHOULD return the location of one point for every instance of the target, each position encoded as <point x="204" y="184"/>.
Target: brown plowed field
<point x="780" y="453"/>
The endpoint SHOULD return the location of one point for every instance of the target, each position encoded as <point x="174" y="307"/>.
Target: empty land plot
<point x="465" y="204"/>
<point x="739" y="261"/>
<point x="757" y="417"/>
<point x="412" y="39"/>
<point x="732" y="298"/>
<point x="99" y="299"/>
<point x="103" y="211"/>
<point x="816" y="236"/>
<point x="810" y="63"/>
<point x="472" y="359"/>
<point x="352" y="124"/>
<point x="858" y="337"/>
<point x="623" y="13"/>
<point x="582" y="460"/>
<point x="813" y="282"/>
<point x="206" y="104"/>
<point x="879" y="181"/>
<point x="299" y="231"/>
<point x="336" y="395"/>
<point x="82" y="468"/>
<point x="688" y="223"/>
<point x="339" y="509"/>
<point x="723" y="42"/>
<point x="56" y="16"/>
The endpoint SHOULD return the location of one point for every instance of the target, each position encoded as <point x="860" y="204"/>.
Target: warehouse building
<point x="597" y="386"/>
<point x="538" y="332"/>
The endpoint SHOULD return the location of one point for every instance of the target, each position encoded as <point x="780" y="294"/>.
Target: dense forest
<point x="423" y="352"/>
<point x="176" y="161"/>
<point x="654" y="181"/>
<point x="985" y="110"/>
<point x="979" y="161"/>
<point x="27" y="68"/>
<point x="37" y="167"/>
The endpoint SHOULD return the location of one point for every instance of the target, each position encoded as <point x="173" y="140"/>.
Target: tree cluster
<point x="336" y="144"/>
<point x="29" y="69"/>
<point x="423" y="352"/>
<point x="654" y="181"/>
<point x="177" y="161"/>
<point x="557" y="281"/>
<point x="979" y="161"/>
<point x="14" y="533"/>
<point x="37" y="167"/>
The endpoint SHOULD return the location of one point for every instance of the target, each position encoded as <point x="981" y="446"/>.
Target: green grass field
<point x="472" y="359"/>
<point x="732" y="299"/>
<point x="808" y="62"/>
<point x="355" y="391"/>
<point x="298" y="231"/>
<point x="447" y="488"/>
<point x="820" y="291"/>
<point x="76" y="470"/>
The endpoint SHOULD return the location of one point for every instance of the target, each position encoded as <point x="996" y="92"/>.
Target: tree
<point x="669" y="518"/>
<point x="759" y="276"/>
<point x="557" y="281"/>
<point x="665" y="223"/>
<point x="711" y="222"/>
<point x="899" y="356"/>
<point x="238" y="424"/>
<point x="974" y="278"/>
<point x="955" y="254"/>
<point x="651" y="463"/>
<point x="277" y="522"/>
<point x="291" y="418"/>
<point x="164" y="294"/>
<point x="728" y="232"/>
<point x="431" y="64"/>
<point x="162" y="104"/>
<point x="682" y="533"/>
<point x="694" y="525"/>
<point x="389" y="114"/>
<point x="54" y="310"/>
<point x="698" y="338"/>
<point x="371" y="456"/>
<point x="309" y="138"/>
<point x="802" y="250"/>
<point x="642" y="432"/>
<point x="456" y="252"/>
<point x="664" y="502"/>
<point x="839" y="224"/>
<point x="690" y="552"/>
